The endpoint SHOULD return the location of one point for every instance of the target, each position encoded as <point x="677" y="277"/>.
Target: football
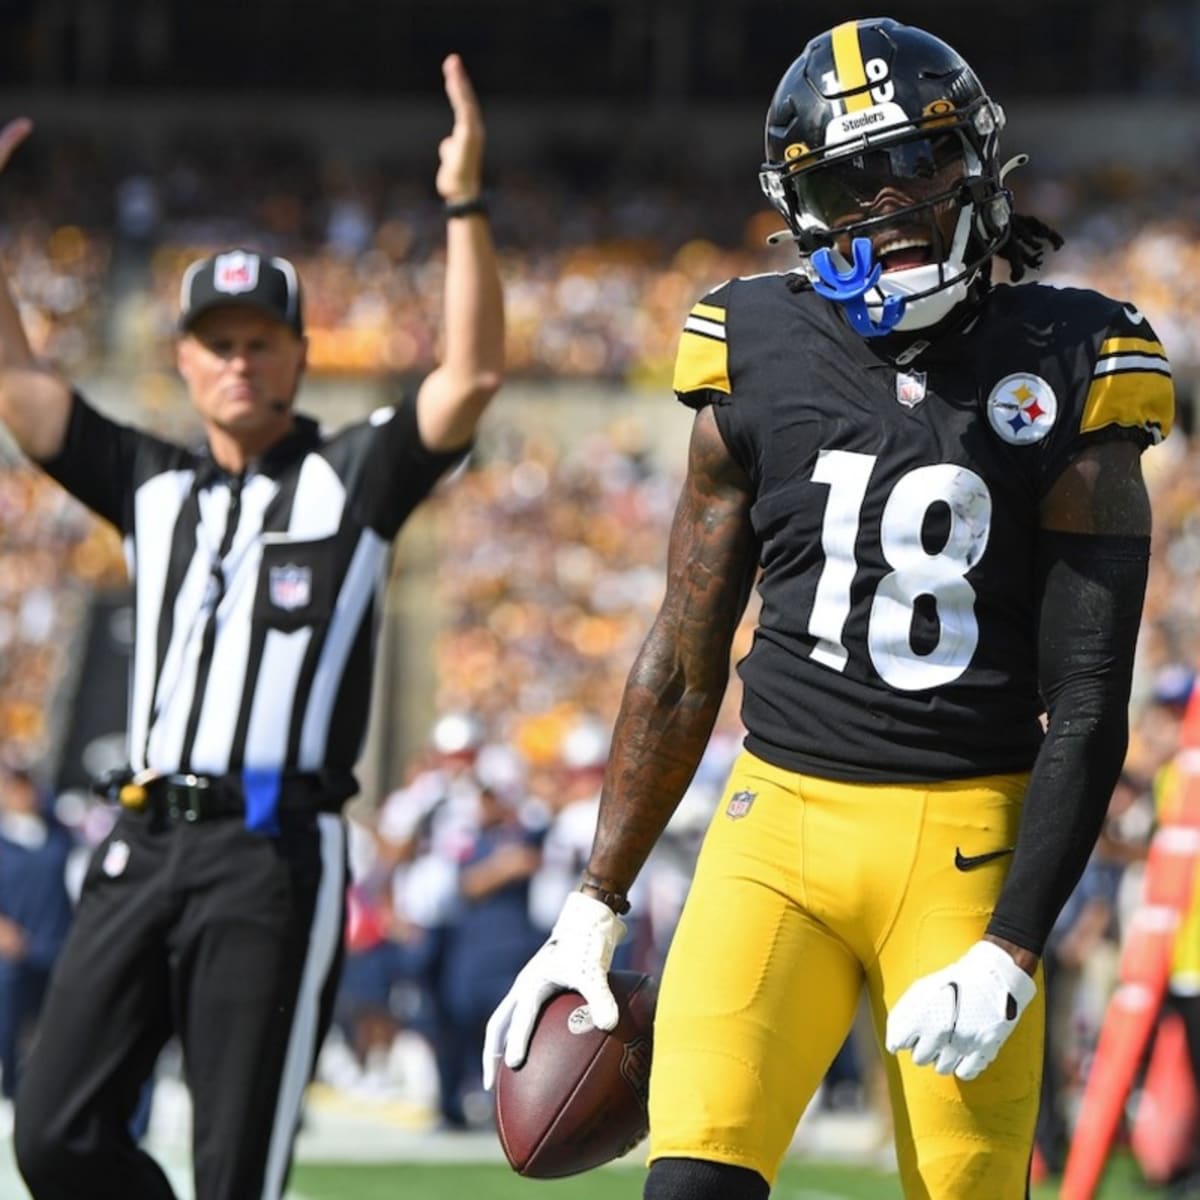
<point x="579" y="1099"/>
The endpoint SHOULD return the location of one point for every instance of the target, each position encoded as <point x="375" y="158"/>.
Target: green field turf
<point x="799" y="1181"/>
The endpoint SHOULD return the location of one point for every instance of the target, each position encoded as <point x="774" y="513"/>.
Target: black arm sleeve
<point x="1092" y="589"/>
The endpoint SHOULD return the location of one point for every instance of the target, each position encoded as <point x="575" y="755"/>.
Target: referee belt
<point x="194" y="798"/>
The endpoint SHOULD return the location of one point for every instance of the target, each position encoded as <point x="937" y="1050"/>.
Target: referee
<point x="214" y="910"/>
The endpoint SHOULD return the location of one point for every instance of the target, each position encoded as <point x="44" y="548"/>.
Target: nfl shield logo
<point x="910" y="388"/>
<point x="635" y="1067"/>
<point x="739" y="804"/>
<point x="236" y="272"/>
<point x="290" y="586"/>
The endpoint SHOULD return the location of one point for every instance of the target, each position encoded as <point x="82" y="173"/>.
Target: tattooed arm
<point x="670" y="704"/>
<point x="678" y="679"/>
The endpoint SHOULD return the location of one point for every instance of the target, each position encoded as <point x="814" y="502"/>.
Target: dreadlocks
<point x="1025" y="246"/>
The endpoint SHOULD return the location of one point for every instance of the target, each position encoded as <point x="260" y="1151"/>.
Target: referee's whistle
<point x="132" y="795"/>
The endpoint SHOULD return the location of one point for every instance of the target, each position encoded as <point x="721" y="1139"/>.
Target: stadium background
<point x="624" y="142"/>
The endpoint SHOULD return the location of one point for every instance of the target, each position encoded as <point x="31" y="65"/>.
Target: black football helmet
<point x="880" y="131"/>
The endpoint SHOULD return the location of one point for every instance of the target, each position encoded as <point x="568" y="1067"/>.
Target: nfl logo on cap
<point x="243" y="279"/>
<point x="235" y="272"/>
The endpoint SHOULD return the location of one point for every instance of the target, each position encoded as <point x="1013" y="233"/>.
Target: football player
<point x="935" y="479"/>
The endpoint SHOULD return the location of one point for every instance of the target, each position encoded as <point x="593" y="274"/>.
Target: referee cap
<point x="243" y="278"/>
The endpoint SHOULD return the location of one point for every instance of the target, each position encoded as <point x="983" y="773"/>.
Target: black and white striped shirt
<point x="256" y="597"/>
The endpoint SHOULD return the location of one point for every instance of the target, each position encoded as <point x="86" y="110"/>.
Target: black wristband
<point x="465" y="208"/>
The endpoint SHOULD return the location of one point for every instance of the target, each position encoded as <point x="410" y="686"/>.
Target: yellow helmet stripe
<point x="849" y="67"/>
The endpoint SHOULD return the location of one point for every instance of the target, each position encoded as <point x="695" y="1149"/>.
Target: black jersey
<point x="897" y="510"/>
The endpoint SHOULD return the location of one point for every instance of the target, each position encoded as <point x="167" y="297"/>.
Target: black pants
<point x="226" y="938"/>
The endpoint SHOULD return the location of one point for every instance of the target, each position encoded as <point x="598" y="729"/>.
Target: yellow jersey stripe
<point x="701" y="362"/>
<point x="1119" y="345"/>
<point x="849" y="67"/>
<point x="711" y="311"/>
<point x="1134" y="399"/>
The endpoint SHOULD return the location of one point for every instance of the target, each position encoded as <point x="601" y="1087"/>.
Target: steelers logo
<point x="1022" y="408"/>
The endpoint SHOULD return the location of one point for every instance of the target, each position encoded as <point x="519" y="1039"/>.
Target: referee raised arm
<point x="214" y="910"/>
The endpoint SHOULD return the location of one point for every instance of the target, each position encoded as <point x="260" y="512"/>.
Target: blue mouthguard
<point x="849" y="287"/>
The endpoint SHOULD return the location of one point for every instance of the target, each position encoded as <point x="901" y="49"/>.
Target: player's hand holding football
<point x="460" y="155"/>
<point x="575" y="957"/>
<point x="959" y="1018"/>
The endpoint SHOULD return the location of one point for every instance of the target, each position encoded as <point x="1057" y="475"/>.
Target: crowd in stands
<point x="459" y="873"/>
<point x="551" y="552"/>
<point x="51" y="553"/>
<point x="599" y="269"/>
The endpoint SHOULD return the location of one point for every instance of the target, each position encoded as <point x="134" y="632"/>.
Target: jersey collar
<point x="304" y="435"/>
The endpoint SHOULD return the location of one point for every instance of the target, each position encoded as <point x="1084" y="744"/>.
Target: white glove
<point x="575" y="958"/>
<point x="959" y="1018"/>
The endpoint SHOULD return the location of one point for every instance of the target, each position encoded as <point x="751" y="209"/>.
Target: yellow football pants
<point x="806" y="889"/>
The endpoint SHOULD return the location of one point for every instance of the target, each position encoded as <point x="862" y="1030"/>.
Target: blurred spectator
<point x="403" y="902"/>
<point x="1081" y="960"/>
<point x="486" y="946"/>
<point x="598" y="280"/>
<point x="51" y="552"/>
<point x="379" y="960"/>
<point x="1184" y="982"/>
<point x="138" y="209"/>
<point x="35" y="913"/>
<point x="1184" y="997"/>
<point x="672" y="862"/>
<point x="572" y="784"/>
<point x="598" y="271"/>
<point x="550" y="577"/>
<point x="843" y="1088"/>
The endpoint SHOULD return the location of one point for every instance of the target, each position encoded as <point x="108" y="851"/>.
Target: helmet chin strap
<point x="849" y="288"/>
